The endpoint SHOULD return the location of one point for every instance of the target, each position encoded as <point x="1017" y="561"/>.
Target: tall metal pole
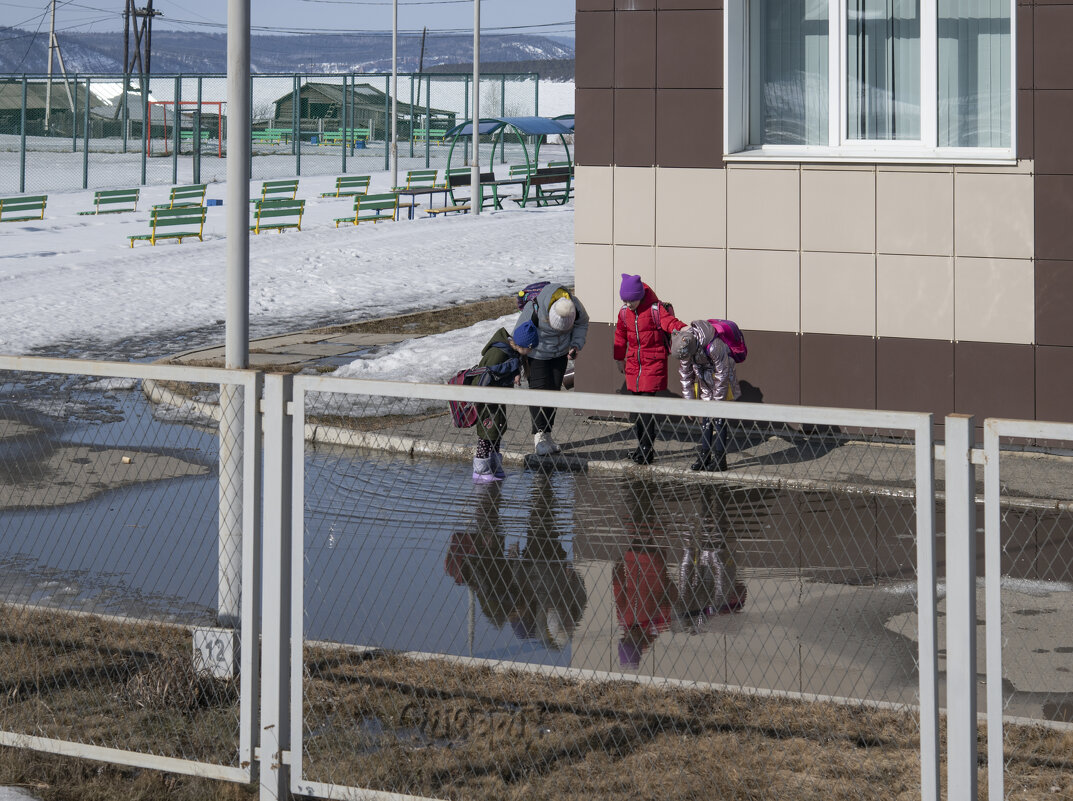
<point x="237" y="339"/>
<point x="395" y="93"/>
<point x="475" y="164"/>
<point x="48" y="86"/>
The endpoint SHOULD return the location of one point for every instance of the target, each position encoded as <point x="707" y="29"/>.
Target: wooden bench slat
<point x="23" y="203"/>
<point x="376" y="204"/>
<point x="345" y="183"/>
<point x="105" y="197"/>
<point x="171" y="218"/>
<point x="278" y="215"/>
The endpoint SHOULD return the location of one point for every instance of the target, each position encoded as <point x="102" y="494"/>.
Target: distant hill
<point x="561" y="69"/>
<point x="193" y="53"/>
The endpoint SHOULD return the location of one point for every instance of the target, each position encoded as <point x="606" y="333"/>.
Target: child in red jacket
<point x="641" y="333"/>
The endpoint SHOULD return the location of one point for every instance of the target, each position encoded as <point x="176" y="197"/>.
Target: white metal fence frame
<point x="249" y="678"/>
<point x="287" y="454"/>
<point x="994" y="430"/>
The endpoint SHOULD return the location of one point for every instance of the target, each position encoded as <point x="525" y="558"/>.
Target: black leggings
<point x="545" y="374"/>
<point x="644" y="425"/>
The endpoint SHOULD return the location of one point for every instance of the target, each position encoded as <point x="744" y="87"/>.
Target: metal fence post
<point x="274" y="776"/>
<point x="126" y="120"/>
<point x="428" y="120"/>
<point x="961" y="765"/>
<point x="197" y="135"/>
<point x="175" y="134"/>
<point x="146" y="124"/>
<point x="85" y="140"/>
<point x="927" y="614"/>
<point x="22" y="139"/>
<point x="536" y="94"/>
<point x="387" y="123"/>
<point x="74" y="117"/>
<point x="296" y="108"/>
<point x="346" y="134"/>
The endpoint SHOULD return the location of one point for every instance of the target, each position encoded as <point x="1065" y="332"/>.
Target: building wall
<point x="933" y="287"/>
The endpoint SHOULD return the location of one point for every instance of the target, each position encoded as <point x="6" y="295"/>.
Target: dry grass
<point x="444" y="730"/>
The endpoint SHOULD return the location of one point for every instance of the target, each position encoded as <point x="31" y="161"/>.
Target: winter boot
<point x="543" y="444"/>
<point x="704" y="462"/>
<point x="497" y="465"/>
<point x="642" y="455"/>
<point x="484" y="470"/>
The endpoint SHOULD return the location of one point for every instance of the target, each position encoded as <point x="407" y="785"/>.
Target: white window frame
<point x="841" y="149"/>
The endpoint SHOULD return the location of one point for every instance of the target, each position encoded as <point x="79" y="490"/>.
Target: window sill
<point x="993" y="158"/>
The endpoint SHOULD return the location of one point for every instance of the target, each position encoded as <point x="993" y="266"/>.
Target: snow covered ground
<point x="74" y="282"/>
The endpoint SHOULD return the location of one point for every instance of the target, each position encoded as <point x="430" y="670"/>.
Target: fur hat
<point x="525" y="335"/>
<point x="562" y="314"/>
<point x="683" y="343"/>
<point x="632" y="288"/>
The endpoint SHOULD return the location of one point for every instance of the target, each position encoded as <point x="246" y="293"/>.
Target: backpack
<point x="530" y="292"/>
<point x="464" y="413"/>
<point x="728" y="331"/>
<point x="655" y="307"/>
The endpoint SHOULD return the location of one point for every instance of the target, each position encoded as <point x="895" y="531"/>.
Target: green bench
<point x="278" y="190"/>
<point x="349" y="185"/>
<point x="171" y="220"/>
<point x="520" y="170"/>
<point x="336" y="137"/>
<point x="432" y="134"/>
<point x="191" y="196"/>
<point x="461" y="177"/>
<point x="420" y="179"/>
<point x="105" y="201"/>
<point x="546" y="187"/>
<point x="372" y="208"/>
<point x="188" y="136"/>
<point x="275" y="136"/>
<point x="277" y="215"/>
<point x="21" y="205"/>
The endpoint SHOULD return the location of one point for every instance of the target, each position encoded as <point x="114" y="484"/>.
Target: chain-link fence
<point x="100" y="132"/>
<point x="121" y="585"/>
<point x="583" y="626"/>
<point x="1027" y="558"/>
<point x="590" y="627"/>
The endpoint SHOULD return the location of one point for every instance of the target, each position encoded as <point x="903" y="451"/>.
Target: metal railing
<point x="585" y="621"/>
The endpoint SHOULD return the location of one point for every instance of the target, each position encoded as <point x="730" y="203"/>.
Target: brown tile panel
<point x="689" y="4"/>
<point x="838" y="370"/>
<point x="1052" y="57"/>
<point x="1026" y="146"/>
<point x="594" y="127"/>
<point x="915" y="375"/>
<point x="994" y="380"/>
<point x="1053" y="123"/>
<point x="1024" y="46"/>
<point x="771" y="374"/>
<point x="1054" y="383"/>
<point x="635" y="128"/>
<point x="1054" y="299"/>
<point x="595" y="5"/>
<point x="1054" y="211"/>
<point x="689" y="128"/>
<point x="635" y="50"/>
<point x="594" y="50"/>
<point x="635" y="5"/>
<point x="689" y="50"/>
<point x="594" y="370"/>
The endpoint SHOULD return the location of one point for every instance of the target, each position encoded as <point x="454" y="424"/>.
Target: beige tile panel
<point x="838" y="210"/>
<point x="993" y="215"/>
<point x="994" y="300"/>
<point x="595" y="281"/>
<point x="915" y="297"/>
<point x="635" y="260"/>
<point x="915" y="212"/>
<point x="838" y="292"/>
<point x="763" y="208"/>
<point x="691" y="207"/>
<point x="593" y="208"/>
<point x="763" y="289"/>
<point x="635" y="205"/>
<point x="694" y="280"/>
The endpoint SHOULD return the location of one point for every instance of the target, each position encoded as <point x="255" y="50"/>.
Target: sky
<point x="554" y="17"/>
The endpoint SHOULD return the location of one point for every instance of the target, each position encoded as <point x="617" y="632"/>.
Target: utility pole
<point x="421" y="66"/>
<point x="54" y="47"/>
<point x="131" y="15"/>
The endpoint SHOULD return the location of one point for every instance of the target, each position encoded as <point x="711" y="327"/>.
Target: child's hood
<point x="500" y="336"/>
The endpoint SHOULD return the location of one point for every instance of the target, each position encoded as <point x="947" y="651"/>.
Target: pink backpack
<point x="728" y="331"/>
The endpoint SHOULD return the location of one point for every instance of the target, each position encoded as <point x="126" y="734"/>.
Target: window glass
<point x="974" y="73"/>
<point x="788" y="75"/>
<point x="883" y="69"/>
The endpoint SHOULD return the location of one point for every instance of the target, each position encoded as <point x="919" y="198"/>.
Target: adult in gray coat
<point x="563" y="324"/>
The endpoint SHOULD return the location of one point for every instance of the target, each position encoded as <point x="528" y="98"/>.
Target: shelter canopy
<point x="527" y="126"/>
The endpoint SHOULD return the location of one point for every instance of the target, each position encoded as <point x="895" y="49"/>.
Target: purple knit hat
<point x="632" y="288"/>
